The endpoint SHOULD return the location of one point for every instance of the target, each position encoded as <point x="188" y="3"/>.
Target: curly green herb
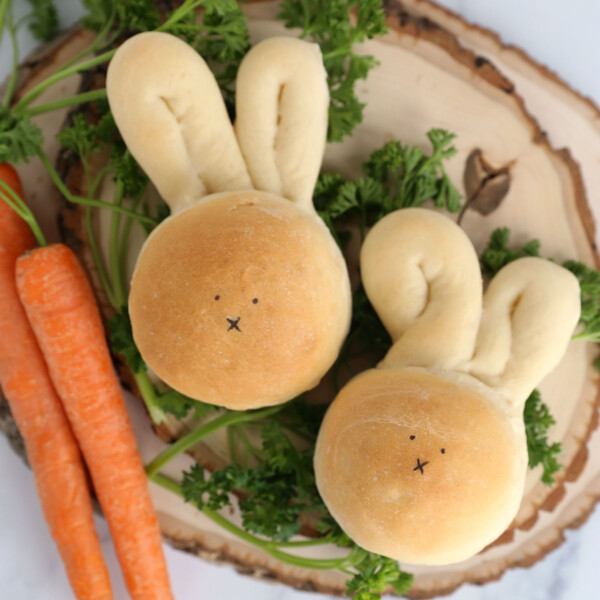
<point x="537" y="422"/>
<point x="337" y="25"/>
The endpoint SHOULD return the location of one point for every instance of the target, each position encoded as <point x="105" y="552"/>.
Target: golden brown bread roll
<point x="456" y="378"/>
<point x="241" y="298"/>
<point x="243" y="292"/>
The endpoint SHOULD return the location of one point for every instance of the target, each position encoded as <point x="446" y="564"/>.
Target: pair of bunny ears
<point x="422" y="275"/>
<point x="170" y="112"/>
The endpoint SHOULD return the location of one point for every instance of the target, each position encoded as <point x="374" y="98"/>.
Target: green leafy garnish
<point x="337" y="25"/>
<point x="497" y="254"/>
<point x="375" y="576"/>
<point x="84" y="137"/>
<point x="130" y="15"/>
<point x="121" y="339"/>
<point x="537" y="422"/>
<point x="20" y="139"/>
<point x="180" y="406"/>
<point x="127" y="171"/>
<point x="43" y="19"/>
<point x="222" y="40"/>
<point x="589" y="282"/>
<point x="414" y="177"/>
<point x="276" y="491"/>
<point x="81" y="137"/>
<point x="397" y="176"/>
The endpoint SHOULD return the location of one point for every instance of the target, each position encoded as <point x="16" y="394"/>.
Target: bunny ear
<point x="169" y="110"/>
<point x="422" y="275"/>
<point x="530" y="310"/>
<point x="282" y="102"/>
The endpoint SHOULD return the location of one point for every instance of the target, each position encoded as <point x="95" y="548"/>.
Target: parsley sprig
<point x="123" y="15"/>
<point x="277" y="491"/>
<point x="43" y="19"/>
<point x="337" y="26"/>
<point x="497" y="253"/>
<point x="589" y="282"/>
<point x="396" y="176"/>
<point x="20" y="139"/>
<point x="538" y="421"/>
<point x="375" y="575"/>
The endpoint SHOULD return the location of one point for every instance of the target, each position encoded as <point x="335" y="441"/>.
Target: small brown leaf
<point x="485" y="187"/>
<point x="491" y="194"/>
<point x="474" y="175"/>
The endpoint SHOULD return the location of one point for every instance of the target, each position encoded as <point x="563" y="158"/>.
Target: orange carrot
<point x="9" y="175"/>
<point x="62" y="310"/>
<point x="51" y="447"/>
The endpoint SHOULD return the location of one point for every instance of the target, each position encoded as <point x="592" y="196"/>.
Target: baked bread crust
<point x="243" y="293"/>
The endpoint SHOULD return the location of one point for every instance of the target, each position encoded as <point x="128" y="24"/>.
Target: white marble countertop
<point x="564" y="36"/>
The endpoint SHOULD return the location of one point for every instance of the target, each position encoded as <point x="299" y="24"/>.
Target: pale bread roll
<point x="456" y="378"/>
<point x="240" y="299"/>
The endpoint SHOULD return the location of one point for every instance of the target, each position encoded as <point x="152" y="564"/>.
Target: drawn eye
<point x="254" y="300"/>
<point x="443" y="450"/>
<point x="217" y="297"/>
<point x="412" y="437"/>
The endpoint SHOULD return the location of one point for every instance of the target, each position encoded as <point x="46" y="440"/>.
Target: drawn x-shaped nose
<point x="233" y="323"/>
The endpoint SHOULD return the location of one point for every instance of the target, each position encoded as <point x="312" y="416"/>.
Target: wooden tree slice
<point x="426" y="79"/>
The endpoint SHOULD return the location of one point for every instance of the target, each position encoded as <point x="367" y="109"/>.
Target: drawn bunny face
<point x="241" y="298"/>
<point x="424" y="458"/>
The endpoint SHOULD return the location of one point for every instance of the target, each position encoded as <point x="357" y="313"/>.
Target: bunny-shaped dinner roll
<point x="241" y="298"/>
<point x="424" y="458"/>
